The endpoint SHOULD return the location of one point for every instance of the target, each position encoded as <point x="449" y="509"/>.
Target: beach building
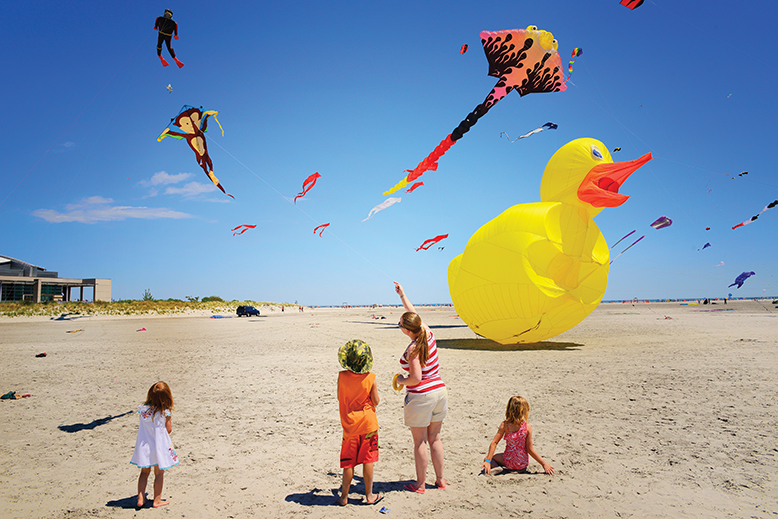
<point x="22" y="281"/>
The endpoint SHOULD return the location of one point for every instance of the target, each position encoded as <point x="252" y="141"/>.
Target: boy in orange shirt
<point x="357" y="398"/>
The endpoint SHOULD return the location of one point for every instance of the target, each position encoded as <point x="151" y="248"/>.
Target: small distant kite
<point x="380" y="207"/>
<point x="463" y="49"/>
<point x="194" y="123"/>
<point x="246" y="228"/>
<point x="307" y="185"/>
<point x="721" y="265"/>
<point x="662" y="222"/>
<point x="740" y="174"/>
<point x="414" y="186"/>
<point x="169" y="88"/>
<point x="616" y="149"/>
<point x="322" y="227"/>
<point x="707" y="228"/>
<point x="524" y="60"/>
<point x="705" y="246"/>
<point x="432" y="241"/>
<point x="633" y="4"/>
<point x="754" y="218"/>
<point x="576" y="52"/>
<point x="547" y="126"/>
<point x="742" y="279"/>
<point x="625" y="250"/>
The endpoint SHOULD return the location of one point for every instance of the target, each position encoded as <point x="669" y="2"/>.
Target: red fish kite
<point x="632" y="4"/>
<point x="463" y="49"/>
<point x="246" y="228"/>
<point x="322" y="227"/>
<point x="525" y="60"/>
<point x="432" y="241"/>
<point x="194" y="123"/>
<point x="307" y="185"/>
<point x="414" y="186"/>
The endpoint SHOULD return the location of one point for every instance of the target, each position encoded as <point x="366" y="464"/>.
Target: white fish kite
<point x="169" y="88"/>
<point x="547" y="126"/>
<point x="380" y="207"/>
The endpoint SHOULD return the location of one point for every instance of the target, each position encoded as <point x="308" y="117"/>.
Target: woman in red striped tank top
<point x="426" y="398"/>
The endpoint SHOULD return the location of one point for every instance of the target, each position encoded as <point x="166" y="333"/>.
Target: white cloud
<point x="162" y="178"/>
<point x="191" y="189"/>
<point x="98" y="209"/>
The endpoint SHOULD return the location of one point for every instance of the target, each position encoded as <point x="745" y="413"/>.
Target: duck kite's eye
<point x="596" y="153"/>
<point x="532" y="28"/>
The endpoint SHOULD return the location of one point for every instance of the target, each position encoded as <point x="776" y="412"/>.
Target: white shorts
<point x="421" y="409"/>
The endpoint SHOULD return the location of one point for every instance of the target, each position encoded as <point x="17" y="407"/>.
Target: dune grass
<point x="126" y="307"/>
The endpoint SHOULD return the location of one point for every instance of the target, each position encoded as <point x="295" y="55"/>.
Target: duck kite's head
<point x="583" y="173"/>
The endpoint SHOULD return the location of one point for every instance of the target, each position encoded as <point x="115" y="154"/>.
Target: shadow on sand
<point x="489" y="345"/>
<point x="91" y="425"/>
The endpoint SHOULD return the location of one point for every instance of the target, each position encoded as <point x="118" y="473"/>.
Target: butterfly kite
<point x="245" y="228"/>
<point x="322" y="227"/>
<point x="547" y="126"/>
<point x="307" y="185"/>
<point x="432" y="241"/>
<point x="525" y="60"/>
<point x="194" y="123"/>
<point x="754" y="218"/>
<point x="742" y="279"/>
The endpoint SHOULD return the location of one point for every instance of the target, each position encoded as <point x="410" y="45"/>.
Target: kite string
<point x="74" y="121"/>
<point x="301" y="210"/>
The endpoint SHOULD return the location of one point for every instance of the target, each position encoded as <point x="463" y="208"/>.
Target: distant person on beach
<point x="426" y="397"/>
<point x="518" y="441"/>
<point x="357" y="399"/>
<point x="153" y="447"/>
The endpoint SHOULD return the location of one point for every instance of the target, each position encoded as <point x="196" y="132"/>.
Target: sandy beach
<point x="644" y="410"/>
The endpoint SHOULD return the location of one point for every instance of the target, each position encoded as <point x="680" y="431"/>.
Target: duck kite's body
<point x="539" y="269"/>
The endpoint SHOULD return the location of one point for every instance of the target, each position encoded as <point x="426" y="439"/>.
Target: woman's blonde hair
<point x="412" y="322"/>
<point x="517" y="410"/>
<point x="159" y="398"/>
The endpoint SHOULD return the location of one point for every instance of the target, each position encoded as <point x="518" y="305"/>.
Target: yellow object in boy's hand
<point x="395" y="385"/>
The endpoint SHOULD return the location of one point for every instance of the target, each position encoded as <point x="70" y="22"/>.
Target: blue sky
<point x="359" y="92"/>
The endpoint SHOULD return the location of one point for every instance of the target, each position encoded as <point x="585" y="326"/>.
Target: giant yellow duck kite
<point x="539" y="269"/>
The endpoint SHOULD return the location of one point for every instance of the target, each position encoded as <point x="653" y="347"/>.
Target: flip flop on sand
<point x="441" y="485"/>
<point x="378" y="498"/>
<point x="411" y="488"/>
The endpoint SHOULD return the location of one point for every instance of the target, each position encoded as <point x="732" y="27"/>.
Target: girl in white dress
<point x="153" y="447"/>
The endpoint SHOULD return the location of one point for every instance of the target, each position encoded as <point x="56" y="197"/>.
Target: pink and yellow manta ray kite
<point x="525" y="60"/>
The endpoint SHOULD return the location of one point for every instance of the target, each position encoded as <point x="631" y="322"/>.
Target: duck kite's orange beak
<point x="600" y="187"/>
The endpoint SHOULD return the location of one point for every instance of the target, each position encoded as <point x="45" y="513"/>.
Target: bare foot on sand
<point x="159" y="503"/>
<point x="141" y="500"/>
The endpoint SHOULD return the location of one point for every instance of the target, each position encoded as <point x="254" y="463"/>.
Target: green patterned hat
<point x="356" y="356"/>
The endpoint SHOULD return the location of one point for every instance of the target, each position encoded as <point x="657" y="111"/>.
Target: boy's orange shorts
<point x="359" y="449"/>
